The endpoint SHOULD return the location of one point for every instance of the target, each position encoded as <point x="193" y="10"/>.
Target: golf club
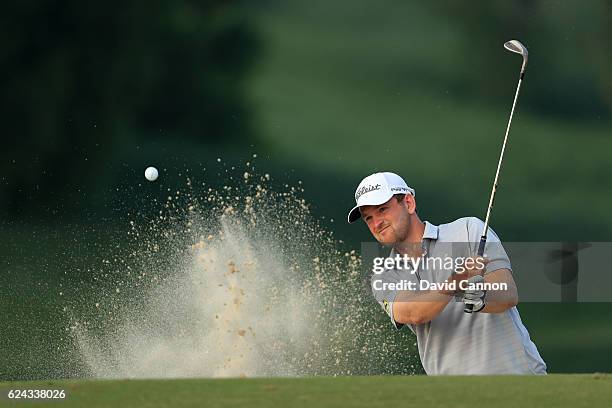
<point x="518" y="48"/>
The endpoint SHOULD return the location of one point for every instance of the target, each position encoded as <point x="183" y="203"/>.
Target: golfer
<point x="432" y="274"/>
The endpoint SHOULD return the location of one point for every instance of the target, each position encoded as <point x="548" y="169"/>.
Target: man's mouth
<point x="382" y="229"/>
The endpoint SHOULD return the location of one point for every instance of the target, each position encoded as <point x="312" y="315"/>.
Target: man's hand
<point x="473" y="296"/>
<point x="469" y="273"/>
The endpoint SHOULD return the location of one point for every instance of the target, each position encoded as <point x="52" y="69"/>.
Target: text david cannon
<point x="379" y="284"/>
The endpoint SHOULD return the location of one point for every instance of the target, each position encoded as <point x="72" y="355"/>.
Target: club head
<point x="516" y="47"/>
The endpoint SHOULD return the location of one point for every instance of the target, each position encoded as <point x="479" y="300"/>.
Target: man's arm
<point x="499" y="269"/>
<point x="421" y="307"/>
<point x="498" y="301"/>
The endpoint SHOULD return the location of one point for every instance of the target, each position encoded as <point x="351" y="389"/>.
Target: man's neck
<point x="412" y="245"/>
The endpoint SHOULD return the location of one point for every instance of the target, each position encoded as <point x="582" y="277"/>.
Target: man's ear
<point x="410" y="201"/>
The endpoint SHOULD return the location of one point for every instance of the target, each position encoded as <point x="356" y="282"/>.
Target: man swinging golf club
<point x="461" y="327"/>
<point x="492" y="339"/>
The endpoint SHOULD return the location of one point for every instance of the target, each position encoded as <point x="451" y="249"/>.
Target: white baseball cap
<point x="377" y="189"/>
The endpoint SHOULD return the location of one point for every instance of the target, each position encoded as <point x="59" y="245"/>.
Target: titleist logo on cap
<point x="366" y="189"/>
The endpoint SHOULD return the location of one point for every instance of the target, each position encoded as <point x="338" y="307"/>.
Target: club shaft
<point x="483" y="238"/>
<point x="499" y="163"/>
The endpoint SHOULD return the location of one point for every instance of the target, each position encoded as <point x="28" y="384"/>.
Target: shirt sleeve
<point x="494" y="250"/>
<point x="385" y="289"/>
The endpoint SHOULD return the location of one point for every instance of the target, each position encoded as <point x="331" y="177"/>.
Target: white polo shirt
<point x="455" y="342"/>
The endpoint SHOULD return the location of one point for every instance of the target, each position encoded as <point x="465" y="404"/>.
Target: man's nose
<point x="378" y="222"/>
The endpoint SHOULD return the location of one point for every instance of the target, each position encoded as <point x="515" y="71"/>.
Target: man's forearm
<point x="498" y="301"/>
<point x="419" y="308"/>
<point x="423" y="306"/>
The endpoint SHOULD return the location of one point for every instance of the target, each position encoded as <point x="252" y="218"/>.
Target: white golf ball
<point x="151" y="173"/>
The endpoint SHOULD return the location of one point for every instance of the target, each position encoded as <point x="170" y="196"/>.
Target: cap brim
<point x="355" y="214"/>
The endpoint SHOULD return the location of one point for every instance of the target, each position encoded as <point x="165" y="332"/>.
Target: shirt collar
<point x="431" y="231"/>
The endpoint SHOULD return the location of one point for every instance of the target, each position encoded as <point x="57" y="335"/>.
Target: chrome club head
<point x="516" y="47"/>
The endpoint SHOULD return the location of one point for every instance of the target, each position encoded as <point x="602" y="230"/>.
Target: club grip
<point x="481" y="248"/>
<point x="481" y="245"/>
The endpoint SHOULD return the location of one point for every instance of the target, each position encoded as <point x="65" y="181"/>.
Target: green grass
<point x="504" y="391"/>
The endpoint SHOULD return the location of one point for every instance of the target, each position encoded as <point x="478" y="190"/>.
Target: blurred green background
<point x="322" y="92"/>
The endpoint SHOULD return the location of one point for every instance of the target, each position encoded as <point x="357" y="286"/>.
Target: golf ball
<point x="151" y="173"/>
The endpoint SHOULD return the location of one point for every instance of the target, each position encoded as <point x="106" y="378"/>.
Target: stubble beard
<point x="399" y="231"/>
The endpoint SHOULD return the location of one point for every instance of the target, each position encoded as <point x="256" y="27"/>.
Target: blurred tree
<point x="599" y="51"/>
<point x="81" y="80"/>
<point x="568" y="69"/>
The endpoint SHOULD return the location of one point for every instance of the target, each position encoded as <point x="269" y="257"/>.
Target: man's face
<point x="388" y="222"/>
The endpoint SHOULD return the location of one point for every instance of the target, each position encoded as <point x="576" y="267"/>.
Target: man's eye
<point x="382" y="209"/>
